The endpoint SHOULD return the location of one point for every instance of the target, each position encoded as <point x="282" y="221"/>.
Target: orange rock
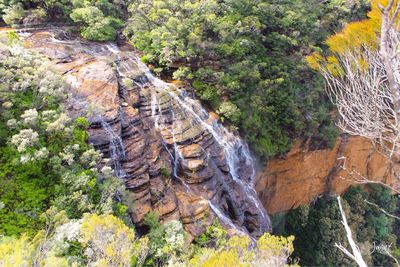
<point x="213" y="116"/>
<point x="303" y="175"/>
<point x="193" y="208"/>
<point x="167" y="204"/>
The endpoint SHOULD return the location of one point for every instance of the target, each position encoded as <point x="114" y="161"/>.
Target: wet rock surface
<point x="173" y="157"/>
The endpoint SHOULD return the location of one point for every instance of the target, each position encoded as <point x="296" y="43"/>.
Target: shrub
<point x="36" y="16"/>
<point x="87" y="15"/>
<point x="167" y="240"/>
<point x="165" y="172"/>
<point x="44" y="155"/>
<point x="214" y="236"/>
<point x="97" y="27"/>
<point x="94" y="240"/>
<point x="230" y="111"/>
<point x="245" y="52"/>
<point x="13" y="15"/>
<point x="15" y="252"/>
<point x="238" y="251"/>
<point x="182" y="73"/>
<point x="107" y="240"/>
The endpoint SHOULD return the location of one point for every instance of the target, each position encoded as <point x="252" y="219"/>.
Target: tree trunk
<point x="388" y="54"/>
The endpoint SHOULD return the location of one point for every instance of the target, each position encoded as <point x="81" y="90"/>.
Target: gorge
<point x="199" y="133"/>
<point x="177" y="159"/>
<point x="305" y="174"/>
<point x="174" y="158"/>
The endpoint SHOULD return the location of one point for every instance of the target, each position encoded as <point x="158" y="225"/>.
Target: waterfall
<point x="225" y="220"/>
<point x="117" y="151"/>
<point x="161" y="125"/>
<point x="235" y="149"/>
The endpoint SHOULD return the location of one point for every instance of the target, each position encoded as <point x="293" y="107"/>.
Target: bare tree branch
<point x="387" y="252"/>
<point x="364" y="84"/>
<point x="356" y="255"/>
<point x="384" y="211"/>
<point x="358" y="178"/>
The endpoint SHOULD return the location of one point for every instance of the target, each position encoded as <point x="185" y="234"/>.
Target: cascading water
<point x="117" y="151"/>
<point x="220" y="171"/>
<point x="226" y="220"/>
<point x="177" y="157"/>
<point x="235" y="150"/>
<point x="232" y="145"/>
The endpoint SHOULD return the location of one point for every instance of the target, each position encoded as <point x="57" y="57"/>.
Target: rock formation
<point x="305" y="174"/>
<point x="173" y="157"/>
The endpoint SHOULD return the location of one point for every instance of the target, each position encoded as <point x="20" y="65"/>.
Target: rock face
<point x="174" y="157"/>
<point x="304" y="174"/>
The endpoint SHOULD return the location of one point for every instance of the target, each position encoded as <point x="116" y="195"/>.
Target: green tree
<point x="44" y="156"/>
<point x="318" y="227"/>
<point x="97" y="27"/>
<point x="14" y="14"/>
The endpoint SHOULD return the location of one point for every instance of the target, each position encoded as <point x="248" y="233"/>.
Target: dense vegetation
<point x="318" y="227"/>
<point x="245" y="58"/>
<point x="104" y="240"/>
<point x="98" y="20"/>
<point x="44" y="157"/>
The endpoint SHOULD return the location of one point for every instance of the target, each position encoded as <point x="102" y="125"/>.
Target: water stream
<point x="240" y="164"/>
<point x="117" y="151"/>
<point x="235" y="149"/>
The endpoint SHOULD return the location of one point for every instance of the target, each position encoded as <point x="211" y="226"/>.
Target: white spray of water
<point x="117" y="151"/>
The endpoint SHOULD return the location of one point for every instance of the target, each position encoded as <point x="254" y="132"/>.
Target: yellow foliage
<point x="16" y="252"/>
<point x="141" y="250"/>
<point x="333" y="66"/>
<point x="241" y="245"/>
<point x="275" y="244"/>
<point x="39" y="238"/>
<point x="269" y="250"/>
<point x="53" y="261"/>
<point x="375" y="13"/>
<point x="227" y="258"/>
<point x="361" y="33"/>
<point x="109" y="239"/>
<point x="314" y="60"/>
<point x="352" y="38"/>
<point x="363" y="64"/>
<point x="212" y="258"/>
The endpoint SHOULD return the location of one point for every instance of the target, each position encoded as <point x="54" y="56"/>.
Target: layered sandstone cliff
<point x="173" y="157"/>
<point x="305" y="174"/>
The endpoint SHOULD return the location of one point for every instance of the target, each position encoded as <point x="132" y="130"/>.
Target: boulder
<point x="191" y="151"/>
